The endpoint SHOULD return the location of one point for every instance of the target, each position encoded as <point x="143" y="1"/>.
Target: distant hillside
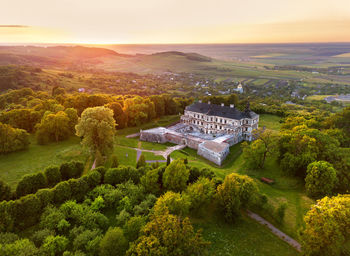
<point x="50" y="56"/>
<point x="190" y="56"/>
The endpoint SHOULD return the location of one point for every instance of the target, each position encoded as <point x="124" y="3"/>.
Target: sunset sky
<point x="174" y="21"/>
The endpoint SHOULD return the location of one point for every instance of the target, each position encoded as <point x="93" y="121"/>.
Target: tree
<point x="320" y="179"/>
<point x="5" y="191"/>
<point x="19" y="247"/>
<point x="150" y="181"/>
<point x="133" y="227"/>
<point x="12" y="139"/>
<point x="166" y="234"/>
<point x="263" y="146"/>
<point x="118" y="114"/>
<point x="176" y="176"/>
<point x="237" y="192"/>
<point x="55" y="245"/>
<point x="327" y="226"/>
<point x="200" y="193"/>
<point x="97" y="128"/>
<point x="141" y="162"/>
<point x="115" y="162"/>
<point x="113" y="243"/>
<point x="175" y="202"/>
<point x="53" y="127"/>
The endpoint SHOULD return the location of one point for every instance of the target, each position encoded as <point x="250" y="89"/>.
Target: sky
<point x="174" y="21"/>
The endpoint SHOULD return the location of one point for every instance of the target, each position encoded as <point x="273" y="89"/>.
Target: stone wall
<point x="152" y="137"/>
<point x="216" y="157"/>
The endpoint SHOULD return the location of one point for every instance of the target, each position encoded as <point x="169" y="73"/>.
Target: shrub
<point x="5" y="191"/>
<point x="281" y="211"/>
<point x="45" y="196"/>
<point x="79" y="188"/>
<point x="71" y="169"/>
<point x="53" y="175"/>
<point x="30" y="183"/>
<point x="93" y="178"/>
<point x="28" y="210"/>
<point x="121" y="174"/>
<point x="62" y="192"/>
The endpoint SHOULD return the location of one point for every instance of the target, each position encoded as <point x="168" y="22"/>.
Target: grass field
<point x="37" y="157"/>
<point x="271" y="122"/>
<point x="245" y="237"/>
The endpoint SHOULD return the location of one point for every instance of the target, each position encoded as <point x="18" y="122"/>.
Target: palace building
<point x="209" y="128"/>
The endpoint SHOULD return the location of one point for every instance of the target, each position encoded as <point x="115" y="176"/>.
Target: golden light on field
<point x="168" y="21"/>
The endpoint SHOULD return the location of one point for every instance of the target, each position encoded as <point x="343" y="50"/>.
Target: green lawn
<point x="271" y="122"/>
<point x="245" y="237"/>
<point x="151" y="156"/>
<point x="37" y="157"/>
<point x="126" y="156"/>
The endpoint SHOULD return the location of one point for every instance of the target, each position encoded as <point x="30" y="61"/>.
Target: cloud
<point x="14" y="26"/>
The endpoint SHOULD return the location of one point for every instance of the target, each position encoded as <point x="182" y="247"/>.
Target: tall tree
<point x="320" y="179"/>
<point x="97" y="129"/>
<point x="327" y="226"/>
<point x="176" y="176"/>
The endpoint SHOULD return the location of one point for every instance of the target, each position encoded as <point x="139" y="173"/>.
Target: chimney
<point x="232" y="105"/>
<point x="222" y="104"/>
<point x="200" y="101"/>
<point x="208" y="102"/>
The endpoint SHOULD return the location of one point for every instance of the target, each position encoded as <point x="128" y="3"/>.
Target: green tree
<point x="55" y="245"/>
<point x="320" y="179"/>
<point x="176" y="176"/>
<point x="256" y="153"/>
<point x="175" y="202"/>
<point x="327" y="226"/>
<point x="141" y="162"/>
<point x="113" y="243"/>
<point x="115" y="162"/>
<point x="97" y="128"/>
<point x="12" y="139"/>
<point x="150" y="181"/>
<point x="200" y="194"/>
<point x="166" y="234"/>
<point x="53" y="127"/>
<point x="237" y="192"/>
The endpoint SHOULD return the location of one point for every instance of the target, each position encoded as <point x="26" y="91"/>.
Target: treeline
<point x="53" y="117"/>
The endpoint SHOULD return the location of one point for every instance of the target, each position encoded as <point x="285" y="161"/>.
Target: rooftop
<point x="221" y="111"/>
<point x="215" y="146"/>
